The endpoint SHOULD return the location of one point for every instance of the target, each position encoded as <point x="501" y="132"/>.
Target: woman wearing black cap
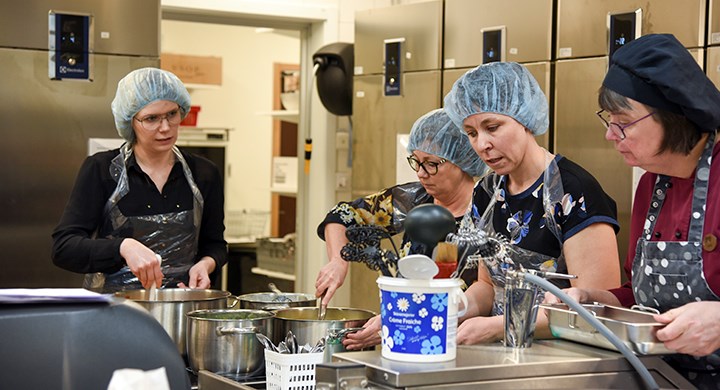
<point x="662" y="113"/>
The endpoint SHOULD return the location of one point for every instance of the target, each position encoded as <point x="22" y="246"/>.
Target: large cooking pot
<point x="224" y="342"/>
<point x="308" y="329"/>
<point x="276" y="301"/>
<point x="169" y="306"/>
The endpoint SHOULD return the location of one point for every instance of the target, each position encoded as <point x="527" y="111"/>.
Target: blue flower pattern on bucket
<point x="432" y="346"/>
<point x="414" y="323"/>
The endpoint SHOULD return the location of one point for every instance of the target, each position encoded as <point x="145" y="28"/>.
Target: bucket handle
<point x="224" y="331"/>
<point x="464" y="301"/>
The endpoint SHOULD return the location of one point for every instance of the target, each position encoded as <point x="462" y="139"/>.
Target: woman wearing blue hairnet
<point x="445" y="164"/>
<point x="145" y="214"/>
<point x="554" y="212"/>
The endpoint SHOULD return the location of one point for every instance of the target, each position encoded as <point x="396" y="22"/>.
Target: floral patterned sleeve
<point x="375" y="209"/>
<point x="378" y="209"/>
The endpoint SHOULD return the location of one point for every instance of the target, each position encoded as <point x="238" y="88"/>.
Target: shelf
<point x="284" y="191"/>
<point x="283" y="115"/>
<point x="272" y="274"/>
<point x="201" y="86"/>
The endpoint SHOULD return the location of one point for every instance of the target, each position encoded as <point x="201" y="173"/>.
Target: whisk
<point x="364" y="247"/>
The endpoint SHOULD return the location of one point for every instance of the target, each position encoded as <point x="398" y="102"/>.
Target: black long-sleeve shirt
<point x="79" y="245"/>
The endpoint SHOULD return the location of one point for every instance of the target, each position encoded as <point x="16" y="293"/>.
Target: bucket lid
<point x="434" y="283"/>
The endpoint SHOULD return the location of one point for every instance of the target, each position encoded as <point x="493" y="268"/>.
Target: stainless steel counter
<point x="547" y="364"/>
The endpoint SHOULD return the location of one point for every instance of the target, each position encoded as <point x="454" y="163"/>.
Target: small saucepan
<point x="276" y="300"/>
<point x="224" y="341"/>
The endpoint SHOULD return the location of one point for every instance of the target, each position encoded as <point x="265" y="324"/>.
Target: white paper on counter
<point x="49" y="295"/>
<point x="136" y="379"/>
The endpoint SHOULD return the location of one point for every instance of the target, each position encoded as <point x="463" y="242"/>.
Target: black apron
<point x="669" y="274"/>
<point x="173" y="236"/>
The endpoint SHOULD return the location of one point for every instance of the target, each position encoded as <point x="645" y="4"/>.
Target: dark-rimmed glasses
<point x="616" y="128"/>
<point x="153" y="122"/>
<point x="430" y="167"/>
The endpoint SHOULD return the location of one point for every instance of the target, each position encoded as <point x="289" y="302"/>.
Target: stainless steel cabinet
<point x="527" y="25"/>
<point x="419" y="24"/>
<point x="382" y="118"/>
<point x="582" y="25"/>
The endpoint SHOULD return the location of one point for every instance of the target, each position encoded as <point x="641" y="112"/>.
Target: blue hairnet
<point x="142" y="87"/>
<point x="505" y="88"/>
<point x="434" y="133"/>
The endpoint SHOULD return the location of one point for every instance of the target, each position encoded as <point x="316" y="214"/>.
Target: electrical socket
<point x="342" y="140"/>
<point x="342" y="181"/>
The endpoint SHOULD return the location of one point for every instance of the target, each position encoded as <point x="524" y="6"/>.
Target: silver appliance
<point x="481" y="31"/>
<point x="587" y="33"/>
<point x="60" y="61"/>
<point x="397" y="79"/>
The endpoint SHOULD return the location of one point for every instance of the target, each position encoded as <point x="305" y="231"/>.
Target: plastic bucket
<point x="192" y="116"/>
<point x="419" y="318"/>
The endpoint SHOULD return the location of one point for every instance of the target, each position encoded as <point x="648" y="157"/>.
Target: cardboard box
<point x="193" y="69"/>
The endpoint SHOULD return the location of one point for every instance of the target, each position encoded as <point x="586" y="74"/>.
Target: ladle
<point x="322" y="307"/>
<point x="417" y="267"/>
<point x="153" y="295"/>
<point x="274" y="288"/>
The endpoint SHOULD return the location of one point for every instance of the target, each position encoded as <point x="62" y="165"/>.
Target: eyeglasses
<point x="616" y="128"/>
<point x="430" y="167"/>
<point x="153" y="122"/>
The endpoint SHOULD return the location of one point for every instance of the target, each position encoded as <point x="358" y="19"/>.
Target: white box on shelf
<point x="284" y="174"/>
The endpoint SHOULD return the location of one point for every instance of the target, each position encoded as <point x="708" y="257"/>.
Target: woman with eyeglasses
<point x="662" y="113"/>
<point x="146" y="214"/>
<point x="446" y="166"/>
<point x="553" y="212"/>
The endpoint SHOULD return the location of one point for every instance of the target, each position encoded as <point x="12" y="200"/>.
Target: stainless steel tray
<point x="635" y="328"/>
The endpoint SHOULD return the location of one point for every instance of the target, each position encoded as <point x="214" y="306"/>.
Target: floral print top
<point x="386" y="209"/>
<point x="520" y="217"/>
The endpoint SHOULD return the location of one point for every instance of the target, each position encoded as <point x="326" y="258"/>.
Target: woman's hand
<point x="142" y="262"/>
<point x="367" y="337"/>
<point x="330" y="278"/>
<point x="578" y="294"/>
<point x="333" y="274"/>
<point x="478" y="330"/>
<point x="200" y="273"/>
<point x="692" y="329"/>
<point x="585" y="295"/>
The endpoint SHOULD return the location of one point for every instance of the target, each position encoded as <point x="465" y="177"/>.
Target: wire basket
<point x="276" y="254"/>
<point x="291" y="371"/>
<point x="246" y="223"/>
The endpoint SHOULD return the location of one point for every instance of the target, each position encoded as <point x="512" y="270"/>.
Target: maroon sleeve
<point x="641" y="205"/>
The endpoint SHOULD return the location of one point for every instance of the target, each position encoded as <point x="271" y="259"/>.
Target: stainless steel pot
<point x="224" y="342"/>
<point x="276" y="301"/>
<point x="170" y="305"/>
<point x="304" y="323"/>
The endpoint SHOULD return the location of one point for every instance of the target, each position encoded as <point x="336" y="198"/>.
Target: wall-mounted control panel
<point x="493" y="44"/>
<point x="623" y="28"/>
<point x="393" y="66"/>
<point x="70" y="46"/>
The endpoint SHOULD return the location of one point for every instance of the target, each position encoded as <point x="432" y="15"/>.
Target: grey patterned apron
<point x="669" y="274"/>
<point x="174" y="236"/>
